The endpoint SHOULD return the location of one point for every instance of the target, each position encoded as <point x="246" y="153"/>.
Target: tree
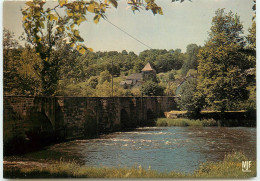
<point x="93" y="82"/>
<point x="164" y="63"/>
<point x="191" y="61"/>
<point x="171" y="77"/>
<point x="251" y="73"/>
<point x="221" y="63"/>
<point x="151" y="88"/>
<point x="44" y="27"/>
<point x="8" y="40"/>
<point x="179" y="58"/>
<point x="251" y="38"/>
<point x="104" y="90"/>
<point x="10" y="62"/>
<point x="28" y="71"/>
<point x="188" y="100"/>
<point x="104" y="76"/>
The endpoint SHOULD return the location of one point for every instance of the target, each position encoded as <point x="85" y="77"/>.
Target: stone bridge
<point x="33" y="117"/>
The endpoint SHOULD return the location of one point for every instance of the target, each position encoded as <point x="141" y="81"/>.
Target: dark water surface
<point x="162" y="148"/>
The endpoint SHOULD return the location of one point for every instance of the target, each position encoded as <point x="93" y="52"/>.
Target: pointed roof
<point x="148" y="67"/>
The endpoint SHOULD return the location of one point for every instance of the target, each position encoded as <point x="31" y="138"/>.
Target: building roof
<point x="137" y="76"/>
<point x="122" y="83"/>
<point x="148" y="67"/>
<point x="127" y="82"/>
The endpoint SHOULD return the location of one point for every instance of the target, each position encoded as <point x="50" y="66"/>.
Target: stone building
<point x="136" y="80"/>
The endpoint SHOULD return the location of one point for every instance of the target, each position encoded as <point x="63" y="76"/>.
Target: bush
<point x="151" y="88"/>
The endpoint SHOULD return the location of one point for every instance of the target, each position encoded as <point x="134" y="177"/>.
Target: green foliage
<point x="251" y="38"/>
<point x="250" y="50"/>
<point x="136" y="92"/>
<point x="162" y="60"/>
<point x="171" y="76"/>
<point x="188" y="99"/>
<point x="191" y="60"/>
<point x="93" y="82"/>
<point x="105" y="76"/>
<point x="75" y="89"/>
<point x="10" y="62"/>
<point x="104" y="90"/>
<point x="21" y="67"/>
<point x="170" y="89"/>
<point x="221" y="63"/>
<point x="151" y="88"/>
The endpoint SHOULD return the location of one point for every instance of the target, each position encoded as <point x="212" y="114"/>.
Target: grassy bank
<point x="185" y="122"/>
<point x="230" y="167"/>
<point x="227" y="119"/>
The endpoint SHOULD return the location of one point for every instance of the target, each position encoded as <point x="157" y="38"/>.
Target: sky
<point x="180" y="25"/>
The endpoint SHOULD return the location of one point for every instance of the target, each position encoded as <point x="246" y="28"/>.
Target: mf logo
<point x="246" y="166"/>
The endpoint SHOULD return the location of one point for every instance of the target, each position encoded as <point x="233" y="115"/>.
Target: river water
<point x="181" y="149"/>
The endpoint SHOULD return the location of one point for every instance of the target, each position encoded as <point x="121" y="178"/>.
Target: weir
<point x="64" y="118"/>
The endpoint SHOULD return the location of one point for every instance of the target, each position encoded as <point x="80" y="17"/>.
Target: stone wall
<point x="43" y="119"/>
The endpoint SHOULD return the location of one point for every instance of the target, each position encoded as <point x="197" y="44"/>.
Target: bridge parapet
<point x="41" y="117"/>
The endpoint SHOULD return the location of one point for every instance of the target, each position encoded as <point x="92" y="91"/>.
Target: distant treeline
<point x="73" y="74"/>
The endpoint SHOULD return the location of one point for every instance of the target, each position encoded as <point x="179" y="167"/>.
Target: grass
<point x="230" y="167"/>
<point x="178" y="112"/>
<point x="185" y="122"/>
<point x="220" y="111"/>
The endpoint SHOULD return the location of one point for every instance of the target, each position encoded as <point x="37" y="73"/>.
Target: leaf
<point x="90" y="49"/>
<point x="72" y="45"/>
<point x="81" y="49"/>
<point x="62" y="2"/>
<point x="38" y="13"/>
<point x="76" y="32"/>
<point x="53" y="17"/>
<point x="69" y="13"/>
<point x="29" y="3"/>
<point x="91" y="8"/>
<point x="160" y="11"/>
<point x="134" y="8"/>
<point x="254" y="7"/>
<point x="80" y="20"/>
<point x="77" y="36"/>
<point x="96" y="18"/>
<point x="60" y="29"/>
<point x="25" y="17"/>
<point x="113" y="2"/>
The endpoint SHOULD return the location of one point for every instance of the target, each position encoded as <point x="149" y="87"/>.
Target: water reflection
<point x="164" y="149"/>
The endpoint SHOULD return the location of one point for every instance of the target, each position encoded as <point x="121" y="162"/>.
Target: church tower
<point x="148" y="72"/>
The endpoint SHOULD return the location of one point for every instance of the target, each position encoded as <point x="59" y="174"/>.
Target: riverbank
<point x="185" y="122"/>
<point x="230" y="167"/>
<point x="240" y="118"/>
<point x="203" y="122"/>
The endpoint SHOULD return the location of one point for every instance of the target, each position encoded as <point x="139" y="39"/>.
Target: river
<point x="181" y="149"/>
